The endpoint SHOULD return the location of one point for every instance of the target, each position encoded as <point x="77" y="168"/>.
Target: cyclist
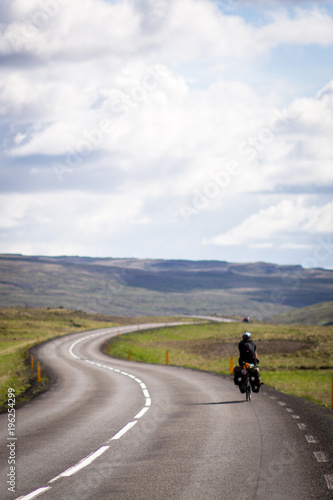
<point x="248" y="354"/>
<point x="247" y="350"/>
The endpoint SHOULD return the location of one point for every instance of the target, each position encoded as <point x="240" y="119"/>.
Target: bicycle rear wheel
<point x="248" y="391"/>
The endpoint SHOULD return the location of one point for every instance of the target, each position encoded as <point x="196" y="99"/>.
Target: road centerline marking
<point x="34" y="494"/>
<point x="142" y="412"/>
<point x="122" y="431"/>
<point x="82" y="464"/>
<point x="90" y="458"/>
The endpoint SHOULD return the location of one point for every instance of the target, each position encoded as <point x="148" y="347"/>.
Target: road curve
<point x="111" y="429"/>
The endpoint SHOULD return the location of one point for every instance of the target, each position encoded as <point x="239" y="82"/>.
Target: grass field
<point x="296" y="359"/>
<point x="20" y="327"/>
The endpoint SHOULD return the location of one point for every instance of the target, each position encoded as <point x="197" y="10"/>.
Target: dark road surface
<point x="111" y="429"/>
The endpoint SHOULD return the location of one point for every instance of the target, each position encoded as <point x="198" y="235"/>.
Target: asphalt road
<point x="110" y="429"/>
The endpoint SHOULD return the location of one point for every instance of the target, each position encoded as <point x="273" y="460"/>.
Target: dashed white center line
<point x="302" y="426"/>
<point x="124" y="429"/>
<point x="90" y="458"/>
<point x="34" y="494"/>
<point x="145" y="393"/>
<point x="82" y="464"/>
<point x="142" y="412"/>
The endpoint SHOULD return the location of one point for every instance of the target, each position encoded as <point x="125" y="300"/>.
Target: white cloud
<point x="13" y="210"/>
<point x="103" y="212"/>
<point x="306" y="27"/>
<point x="179" y="30"/>
<point x="70" y="30"/>
<point x="286" y="218"/>
<point x="180" y="81"/>
<point x="296" y="246"/>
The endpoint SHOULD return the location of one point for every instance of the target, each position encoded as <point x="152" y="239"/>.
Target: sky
<point x="167" y="129"/>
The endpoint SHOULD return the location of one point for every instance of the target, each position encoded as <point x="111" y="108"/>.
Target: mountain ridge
<point x="132" y="287"/>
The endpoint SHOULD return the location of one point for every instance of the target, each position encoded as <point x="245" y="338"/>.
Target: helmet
<point x="246" y="335"/>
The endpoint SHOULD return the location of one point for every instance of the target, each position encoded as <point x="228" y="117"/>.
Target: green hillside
<point x="317" y="314"/>
<point x="134" y="287"/>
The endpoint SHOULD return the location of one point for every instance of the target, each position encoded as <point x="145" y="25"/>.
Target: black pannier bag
<point x="238" y="377"/>
<point x="254" y="375"/>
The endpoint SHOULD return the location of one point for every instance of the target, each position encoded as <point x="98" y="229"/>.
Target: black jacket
<point x="247" y="348"/>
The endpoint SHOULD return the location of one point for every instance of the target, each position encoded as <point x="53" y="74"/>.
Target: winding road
<point x="112" y="429"/>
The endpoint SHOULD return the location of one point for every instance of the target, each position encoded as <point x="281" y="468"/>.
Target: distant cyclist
<point x="248" y="354"/>
<point x="247" y="350"/>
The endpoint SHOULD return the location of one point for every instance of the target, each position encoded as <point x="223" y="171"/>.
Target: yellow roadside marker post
<point x="27" y="352"/>
<point x="39" y="378"/>
<point x="32" y="362"/>
<point x="231" y="365"/>
<point x="167" y="358"/>
<point x="129" y="355"/>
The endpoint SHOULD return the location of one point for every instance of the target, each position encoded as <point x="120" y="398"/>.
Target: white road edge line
<point x="329" y="481"/>
<point x="310" y="439"/>
<point x="321" y="456"/>
<point x="35" y="493"/>
<point x="82" y="464"/>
